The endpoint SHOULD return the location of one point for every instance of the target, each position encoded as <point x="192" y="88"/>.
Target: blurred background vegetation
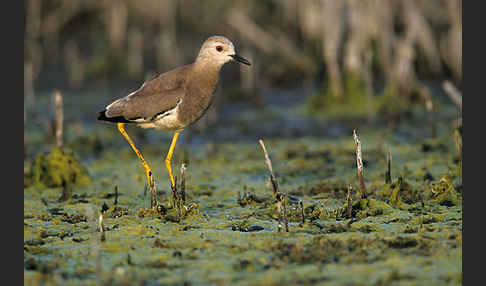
<point x="398" y="42"/>
<point x="336" y="53"/>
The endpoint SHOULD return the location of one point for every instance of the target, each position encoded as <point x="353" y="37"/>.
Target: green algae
<point x="116" y="212"/>
<point x="444" y="192"/>
<point x="370" y="207"/>
<point x="405" y="232"/>
<point x="399" y="194"/>
<point x="58" y="168"/>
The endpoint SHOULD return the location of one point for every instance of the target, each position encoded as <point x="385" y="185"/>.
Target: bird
<point x="173" y="100"/>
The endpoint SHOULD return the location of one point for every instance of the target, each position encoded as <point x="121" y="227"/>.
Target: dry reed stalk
<point x="116" y="195"/>
<point x="183" y="184"/>
<point x="425" y="93"/>
<point x="153" y="197"/>
<point x="302" y="211"/>
<point x="95" y="248"/>
<point x="359" y="163"/>
<point x="58" y="109"/>
<point x="104" y="207"/>
<point x="278" y="196"/>
<point x="349" y="200"/>
<point x="175" y="197"/>
<point x="145" y="187"/>
<point x="286" y="220"/>
<point x="388" y="179"/>
<point x="101" y="227"/>
<point x="25" y="132"/>
<point x="279" y="210"/>
<point x="66" y="193"/>
<point x="458" y="140"/>
<point x="453" y="93"/>
<point x="269" y="165"/>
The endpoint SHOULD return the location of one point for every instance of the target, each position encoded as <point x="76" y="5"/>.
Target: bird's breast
<point x="195" y="103"/>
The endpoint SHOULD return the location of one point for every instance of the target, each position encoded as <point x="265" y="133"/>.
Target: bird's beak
<point x="240" y="59"/>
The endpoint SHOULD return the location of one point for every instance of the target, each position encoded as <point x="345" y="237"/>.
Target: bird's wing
<point x="154" y="97"/>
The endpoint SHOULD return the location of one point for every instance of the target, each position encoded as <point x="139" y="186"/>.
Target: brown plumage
<point x="173" y="100"/>
<point x="155" y="96"/>
<point x="189" y="87"/>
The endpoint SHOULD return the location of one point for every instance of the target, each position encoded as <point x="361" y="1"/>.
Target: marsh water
<point x="406" y="232"/>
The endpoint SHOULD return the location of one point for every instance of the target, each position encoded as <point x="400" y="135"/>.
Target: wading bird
<point x="175" y="99"/>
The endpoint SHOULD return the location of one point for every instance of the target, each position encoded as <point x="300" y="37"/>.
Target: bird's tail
<point x="102" y="116"/>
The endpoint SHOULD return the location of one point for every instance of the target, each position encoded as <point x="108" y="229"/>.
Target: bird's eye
<point x="219" y="49"/>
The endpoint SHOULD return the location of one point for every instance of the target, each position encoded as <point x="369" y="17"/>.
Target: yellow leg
<point x="148" y="171"/>
<point x="169" y="157"/>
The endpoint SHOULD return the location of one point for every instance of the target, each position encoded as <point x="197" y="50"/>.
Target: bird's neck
<point x="208" y="63"/>
<point x="205" y="73"/>
<point x="199" y="91"/>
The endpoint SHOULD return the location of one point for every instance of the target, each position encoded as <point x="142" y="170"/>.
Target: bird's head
<point x="219" y="50"/>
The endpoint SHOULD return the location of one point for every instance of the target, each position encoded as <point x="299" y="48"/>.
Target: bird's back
<point x="154" y="97"/>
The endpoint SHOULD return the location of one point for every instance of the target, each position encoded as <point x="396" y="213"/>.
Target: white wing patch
<point x="163" y="121"/>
